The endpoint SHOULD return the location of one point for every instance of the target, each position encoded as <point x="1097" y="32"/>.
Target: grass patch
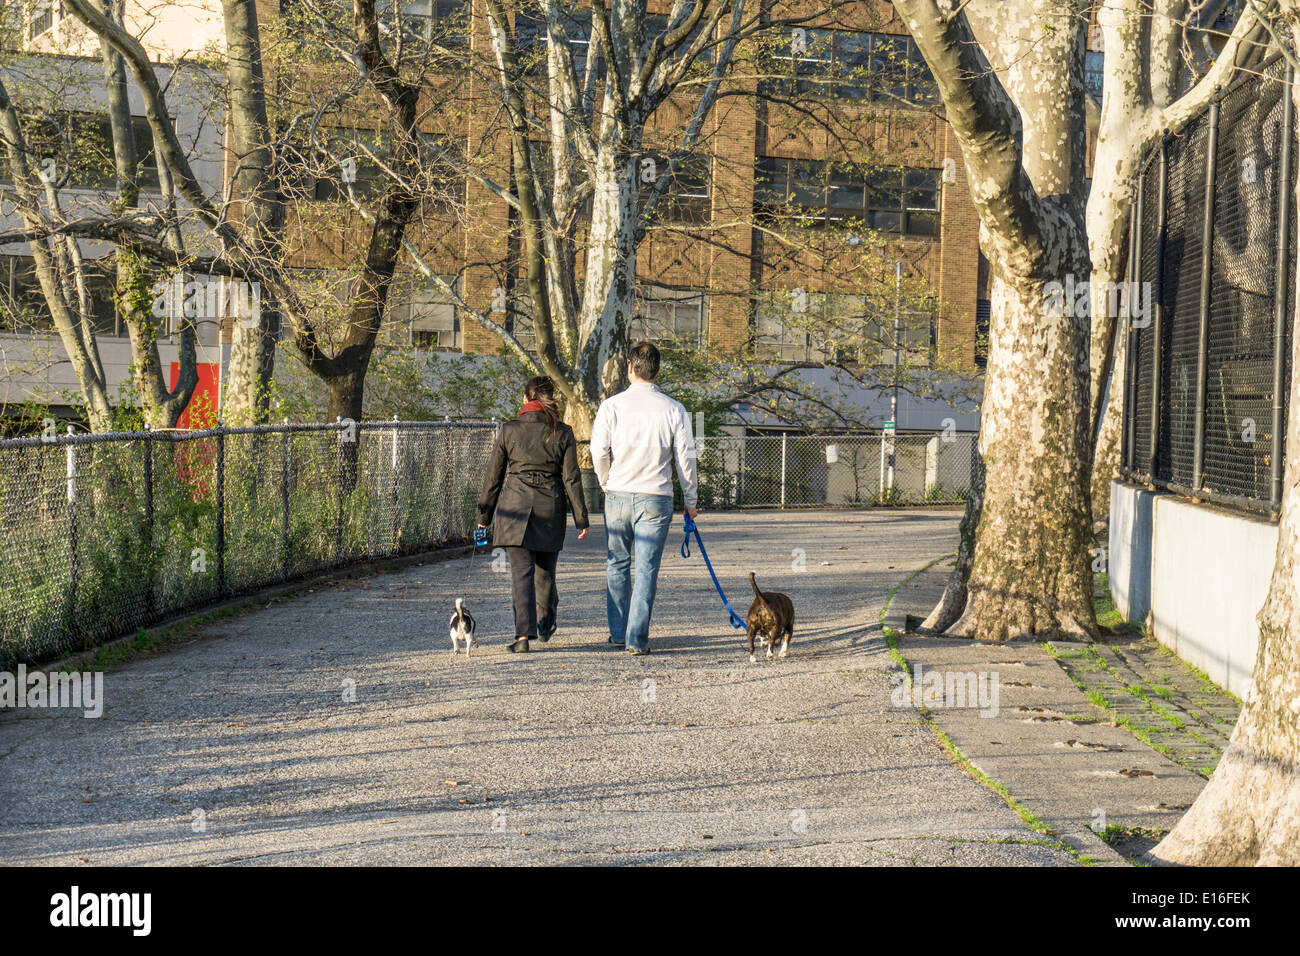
<point x="1108" y="616"/>
<point x="147" y="641"/>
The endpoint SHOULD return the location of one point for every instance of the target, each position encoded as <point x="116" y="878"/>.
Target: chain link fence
<point x="104" y="534"/>
<point x="1212" y="240"/>
<point x="857" y="470"/>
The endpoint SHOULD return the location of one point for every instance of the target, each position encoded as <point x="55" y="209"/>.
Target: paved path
<point x="572" y="754"/>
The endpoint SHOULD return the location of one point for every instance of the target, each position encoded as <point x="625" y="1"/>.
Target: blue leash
<point x="691" y="528"/>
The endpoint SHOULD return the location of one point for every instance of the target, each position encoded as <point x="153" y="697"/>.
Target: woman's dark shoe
<point x="520" y="646"/>
<point x="544" y="634"/>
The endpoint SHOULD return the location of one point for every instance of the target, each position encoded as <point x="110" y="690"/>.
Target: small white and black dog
<point x="462" y="628"/>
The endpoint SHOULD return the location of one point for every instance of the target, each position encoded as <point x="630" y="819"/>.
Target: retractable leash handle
<point x="480" y="539"/>
<point x="692" y="529"/>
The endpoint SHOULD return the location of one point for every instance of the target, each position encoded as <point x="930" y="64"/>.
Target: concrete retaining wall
<point x="1196" y="575"/>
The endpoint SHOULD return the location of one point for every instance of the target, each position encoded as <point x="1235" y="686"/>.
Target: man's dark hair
<point x="645" y="360"/>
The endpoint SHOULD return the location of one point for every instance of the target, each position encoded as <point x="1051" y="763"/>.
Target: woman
<point x="533" y="469"/>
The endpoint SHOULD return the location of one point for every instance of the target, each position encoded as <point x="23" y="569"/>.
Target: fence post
<point x="397" y="544"/>
<point x="74" y="574"/>
<point x="286" y="472"/>
<point x="1280" y="289"/>
<point x="1130" y="386"/>
<point x="340" y="472"/>
<point x="784" y="444"/>
<point x="148" y="482"/>
<point x="1207" y="259"/>
<point x="1157" y="326"/>
<point x="151" y="598"/>
<point x="221" y="508"/>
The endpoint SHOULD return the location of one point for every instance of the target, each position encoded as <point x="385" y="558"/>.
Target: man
<point x="634" y="441"/>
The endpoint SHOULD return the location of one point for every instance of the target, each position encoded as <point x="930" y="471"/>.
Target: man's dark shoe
<point x="545" y="634"/>
<point x="520" y="646"/>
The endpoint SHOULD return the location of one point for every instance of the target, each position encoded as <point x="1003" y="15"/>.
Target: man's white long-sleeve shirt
<point x="637" y="435"/>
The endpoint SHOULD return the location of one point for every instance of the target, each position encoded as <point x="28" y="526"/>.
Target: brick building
<point x="728" y="283"/>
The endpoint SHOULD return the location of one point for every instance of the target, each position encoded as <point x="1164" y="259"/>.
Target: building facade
<point x="880" y="153"/>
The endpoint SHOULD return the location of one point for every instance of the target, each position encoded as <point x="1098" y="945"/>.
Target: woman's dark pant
<point x="535" y="598"/>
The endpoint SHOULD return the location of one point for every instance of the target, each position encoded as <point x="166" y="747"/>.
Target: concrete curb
<point x="1056" y="754"/>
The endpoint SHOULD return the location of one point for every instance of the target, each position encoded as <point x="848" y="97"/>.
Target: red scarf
<point x="531" y="407"/>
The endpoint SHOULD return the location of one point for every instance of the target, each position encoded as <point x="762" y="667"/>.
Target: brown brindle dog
<point x="771" y="616"/>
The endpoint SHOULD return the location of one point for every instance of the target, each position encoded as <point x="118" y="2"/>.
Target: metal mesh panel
<point x="103" y="534"/>
<point x="1180" y="299"/>
<point x="1239" y="389"/>
<point x="834" y="470"/>
<point x="1144" y="338"/>
<point x="1239" y="442"/>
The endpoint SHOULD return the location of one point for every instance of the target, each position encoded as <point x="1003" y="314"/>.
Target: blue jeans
<point x="636" y="526"/>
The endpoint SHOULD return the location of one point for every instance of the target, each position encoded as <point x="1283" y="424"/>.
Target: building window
<point x="1093" y="71"/>
<point x="22" y="304"/>
<point x="879" y="67"/>
<point x="43" y="17"/>
<point x="23" y="307"/>
<point x="78" y="147"/>
<point x="891" y="199"/>
<point x="680" y="316"/>
<point x="442" y="21"/>
<point x="846" y="328"/>
<point x="322" y="175"/>
<point x="657" y="23"/>
<point x="781" y="335"/>
<point x="687" y="196"/>
<point x="983" y="312"/>
<point x="532" y="41"/>
<point x="426" y="318"/>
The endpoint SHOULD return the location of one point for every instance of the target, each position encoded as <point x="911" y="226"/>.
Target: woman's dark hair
<point x="542" y="390"/>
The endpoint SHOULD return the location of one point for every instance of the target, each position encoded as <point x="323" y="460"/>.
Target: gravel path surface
<point x="242" y="747"/>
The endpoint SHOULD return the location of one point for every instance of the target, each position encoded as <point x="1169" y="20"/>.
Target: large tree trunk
<point x="1030" y="573"/>
<point x="160" y="405"/>
<point x="246" y="395"/>
<point x="1249" y="813"/>
<point x="953" y="602"/>
<point x="346" y="390"/>
<point x="1106" y="451"/>
<point x="1022" y="138"/>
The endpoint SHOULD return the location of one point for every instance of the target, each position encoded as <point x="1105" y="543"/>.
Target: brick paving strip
<point x="1113" y="738"/>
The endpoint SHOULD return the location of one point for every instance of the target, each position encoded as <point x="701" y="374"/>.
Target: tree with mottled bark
<point x="256" y="204"/>
<point x="1021" y="130"/>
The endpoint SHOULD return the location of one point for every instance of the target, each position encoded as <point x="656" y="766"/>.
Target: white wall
<point x="1207" y="577"/>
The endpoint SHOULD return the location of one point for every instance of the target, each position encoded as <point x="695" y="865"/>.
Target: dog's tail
<point x="754" y="584"/>
<point x="459" y="602"/>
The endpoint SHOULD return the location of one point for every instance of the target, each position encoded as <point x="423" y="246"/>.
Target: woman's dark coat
<point x="528" y="479"/>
